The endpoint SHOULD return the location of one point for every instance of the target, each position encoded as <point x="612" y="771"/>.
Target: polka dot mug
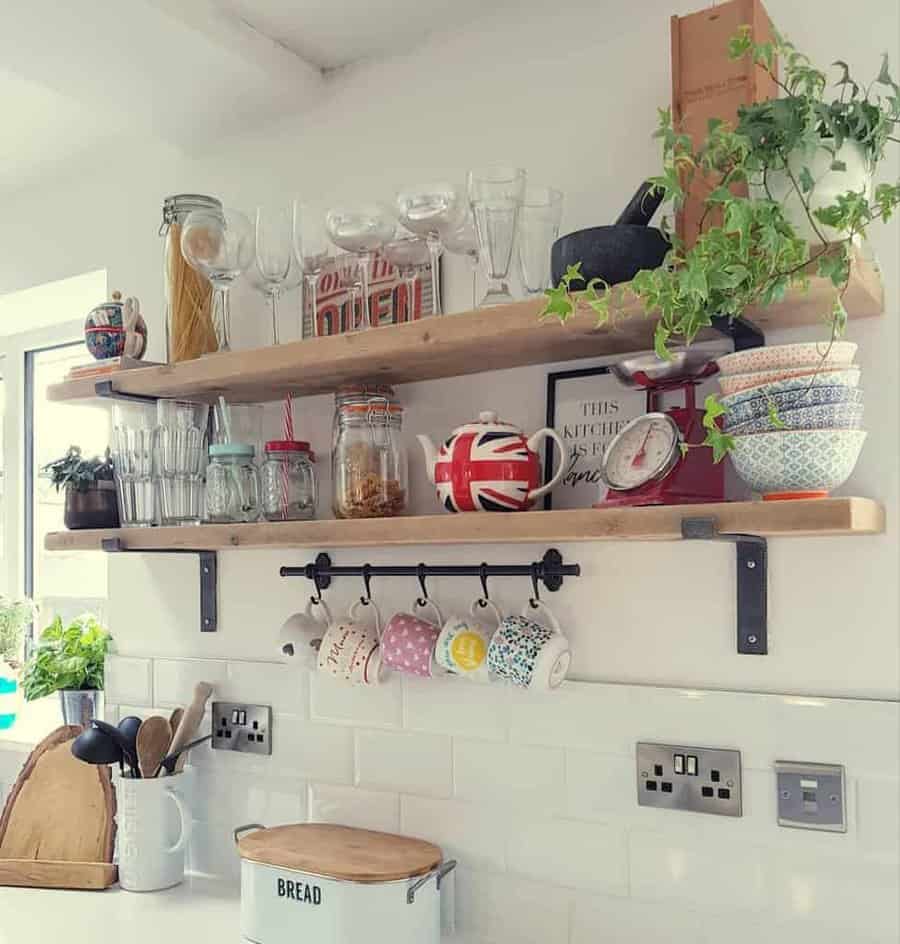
<point x="409" y="642"/>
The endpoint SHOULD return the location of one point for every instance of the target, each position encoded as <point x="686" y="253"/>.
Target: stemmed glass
<point x="429" y="211"/>
<point x="408" y="256"/>
<point x="362" y="231"/>
<point x="274" y="254"/>
<point x="495" y="195"/>
<point x="219" y="245"/>
<point x="462" y="241"/>
<point x="311" y="251"/>
<point x="539" y="221"/>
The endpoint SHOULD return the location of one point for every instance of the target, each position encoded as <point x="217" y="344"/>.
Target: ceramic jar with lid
<point x="288" y="481"/>
<point x="369" y="461"/>
<point x="232" y="484"/>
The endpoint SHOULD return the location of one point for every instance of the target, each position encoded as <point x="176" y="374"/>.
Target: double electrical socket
<point x="696" y="779"/>
<point x="242" y="728"/>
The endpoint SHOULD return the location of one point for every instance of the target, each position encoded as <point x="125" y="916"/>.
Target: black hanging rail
<point x="550" y="570"/>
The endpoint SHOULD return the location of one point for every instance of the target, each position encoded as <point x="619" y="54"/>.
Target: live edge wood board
<point x="830" y="516"/>
<point x="448" y="346"/>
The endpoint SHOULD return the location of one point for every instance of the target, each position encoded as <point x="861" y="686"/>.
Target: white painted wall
<point x="574" y="101"/>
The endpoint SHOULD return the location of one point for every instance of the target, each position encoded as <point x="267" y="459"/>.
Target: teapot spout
<point x="430" y="455"/>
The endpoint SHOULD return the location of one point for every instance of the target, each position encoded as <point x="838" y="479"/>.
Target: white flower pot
<point x="828" y="185"/>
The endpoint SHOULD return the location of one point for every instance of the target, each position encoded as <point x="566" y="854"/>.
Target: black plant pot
<point x="614" y="253"/>
<point x="95" y="507"/>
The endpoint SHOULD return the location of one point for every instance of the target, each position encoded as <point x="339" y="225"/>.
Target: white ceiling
<point x="76" y="76"/>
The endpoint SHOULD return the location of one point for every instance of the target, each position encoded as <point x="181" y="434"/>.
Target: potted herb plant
<point x="70" y="660"/>
<point x="15" y="615"/>
<point x="807" y="161"/>
<point x="90" y="489"/>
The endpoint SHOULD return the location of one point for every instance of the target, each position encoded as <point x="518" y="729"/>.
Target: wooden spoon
<point x="175" y="719"/>
<point x="190" y="721"/>
<point x="153" y="739"/>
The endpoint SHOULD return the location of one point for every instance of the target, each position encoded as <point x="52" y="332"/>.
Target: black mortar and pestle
<point x="614" y="253"/>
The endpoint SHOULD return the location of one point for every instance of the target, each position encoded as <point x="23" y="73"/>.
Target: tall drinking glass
<point x="539" y="221"/>
<point x="428" y="211"/>
<point x="495" y="196"/>
<point x="179" y="458"/>
<point x="132" y="451"/>
<point x="362" y="231"/>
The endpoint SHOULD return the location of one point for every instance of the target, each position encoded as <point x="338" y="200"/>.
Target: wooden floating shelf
<point x="449" y="346"/>
<point x="830" y="516"/>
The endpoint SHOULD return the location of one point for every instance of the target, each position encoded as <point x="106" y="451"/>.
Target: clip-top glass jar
<point x="368" y="458"/>
<point x="288" y="481"/>
<point x="190" y="329"/>
<point x="232" y="484"/>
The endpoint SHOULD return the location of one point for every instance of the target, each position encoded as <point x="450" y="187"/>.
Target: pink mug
<point x="408" y="642"/>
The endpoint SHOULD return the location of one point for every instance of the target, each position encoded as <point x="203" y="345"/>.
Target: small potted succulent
<point x="70" y="660"/>
<point x="15" y="615"/>
<point x="90" y="489"/>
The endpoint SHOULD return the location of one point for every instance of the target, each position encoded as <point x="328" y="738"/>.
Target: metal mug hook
<point x="421" y="573"/>
<point x="483" y="577"/>
<point x="536" y="576"/>
<point x="317" y="596"/>
<point x="366" y="599"/>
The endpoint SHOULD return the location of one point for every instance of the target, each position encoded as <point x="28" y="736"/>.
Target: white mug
<point x="300" y="636"/>
<point x="154" y="826"/>
<point x="351" y="649"/>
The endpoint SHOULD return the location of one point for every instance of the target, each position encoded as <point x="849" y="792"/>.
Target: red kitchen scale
<point x="644" y="464"/>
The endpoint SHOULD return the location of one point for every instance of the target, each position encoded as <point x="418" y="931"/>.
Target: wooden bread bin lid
<point x="341" y="852"/>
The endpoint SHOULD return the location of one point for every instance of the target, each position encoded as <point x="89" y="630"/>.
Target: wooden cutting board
<point x="58" y="825"/>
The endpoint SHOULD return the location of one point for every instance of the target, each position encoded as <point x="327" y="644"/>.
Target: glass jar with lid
<point x="190" y="328"/>
<point x="368" y="459"/>
<point x="232" y="484"/>
<point x="288" y="481"/>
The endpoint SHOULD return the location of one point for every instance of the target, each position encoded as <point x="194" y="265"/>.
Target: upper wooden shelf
<point x="830" y="516"/>
<point x="465" y="343"/>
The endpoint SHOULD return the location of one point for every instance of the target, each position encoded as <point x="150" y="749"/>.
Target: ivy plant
<point x="746" y="252"/>
<point x="66" y="658"/>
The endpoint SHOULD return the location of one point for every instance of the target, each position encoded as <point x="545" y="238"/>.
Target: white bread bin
<point x="337" y="885"/>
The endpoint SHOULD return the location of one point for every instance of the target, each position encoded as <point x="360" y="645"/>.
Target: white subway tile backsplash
<point x="878" y="816"/>
<point x="569" y="853"/>
<point x="510" y="775"/>
<point x="402" y="761"/>
<point x="237" y="799"/>
<point x="364" y="809"/>
<point x="599" y="786"/>
<point x="174" y="679"/>
<point x="453" y="706"/>
<point x="378" y="706"/>
<point x="473" y="833"/>
<point x="313" y="750"/>
<point x="129" y="680"/>
<point x="627" y="921"/>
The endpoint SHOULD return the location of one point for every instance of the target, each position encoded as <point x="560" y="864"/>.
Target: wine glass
<point x="219" y="245"/>
<point x="428" y="211"/>
<point x="274" y="253"/>
<point x="311" y="251"/>
<point x="539" y="221"/>
<point x="462" y="241"/>
<point x="361" y="230"/>
<point x="408" y="255"/>
<point x="495" y="195"/>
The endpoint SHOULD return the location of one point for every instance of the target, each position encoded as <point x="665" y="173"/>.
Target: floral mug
<point x="530" y="654"/>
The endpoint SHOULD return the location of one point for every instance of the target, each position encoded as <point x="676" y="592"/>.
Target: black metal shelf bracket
<point x="209" y="577"/>
<point x="104" y="390"/>
<point x="752" y="582"/>
<point x="549" y="570"/>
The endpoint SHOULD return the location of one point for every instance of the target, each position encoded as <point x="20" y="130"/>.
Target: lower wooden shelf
<point x="829" y="516"/>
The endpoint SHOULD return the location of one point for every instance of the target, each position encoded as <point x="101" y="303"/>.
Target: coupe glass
<point x="409" y="256"/>
<point x="495" y="196"/>
<point x="219" y="245"/>
<point x="362" y="231"/>
<point x="462" y="241"/>
<point x="274" y="254"/>
<point x="539" y="221"/>
<point x="429" y="211"/>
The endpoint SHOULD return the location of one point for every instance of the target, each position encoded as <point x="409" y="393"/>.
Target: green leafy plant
<point x="75" y="471"/>
<point x="747" y="252"/>
<point x="15" y="615"/>
<point x="67" y="657"/>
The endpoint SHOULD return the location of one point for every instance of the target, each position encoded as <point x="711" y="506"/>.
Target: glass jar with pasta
<point x="190" y="330"/>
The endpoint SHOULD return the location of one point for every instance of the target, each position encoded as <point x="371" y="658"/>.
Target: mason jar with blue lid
<point x="232" y="484"/>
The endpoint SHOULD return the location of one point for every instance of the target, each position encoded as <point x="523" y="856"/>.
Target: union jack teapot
<point x="490" y="466"/>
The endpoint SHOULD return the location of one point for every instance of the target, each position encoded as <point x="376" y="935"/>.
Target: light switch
<point x="679" y="764"/>
<point x="691" y="765"/>
<point x="811" y="796"/>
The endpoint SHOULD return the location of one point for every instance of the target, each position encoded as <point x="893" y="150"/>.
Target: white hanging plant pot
<point x="828" y="184"/>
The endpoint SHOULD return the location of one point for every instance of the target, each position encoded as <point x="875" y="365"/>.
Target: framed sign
<point x="587" y="408"/>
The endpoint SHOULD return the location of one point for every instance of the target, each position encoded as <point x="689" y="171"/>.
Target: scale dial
<point x="645" y="450"/>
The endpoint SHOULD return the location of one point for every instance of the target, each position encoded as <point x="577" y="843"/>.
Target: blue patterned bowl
<point x="824" y="416"/>
<point x="743" y="407"/>
<point x="794" y="463"/>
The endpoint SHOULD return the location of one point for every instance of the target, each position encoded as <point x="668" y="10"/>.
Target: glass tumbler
<point x="495" y="196"/>
<point x="539" y="221"/>
<point x="232" y="484"/>
<point x="132" y="452"/>
<point x="179" y="456"/>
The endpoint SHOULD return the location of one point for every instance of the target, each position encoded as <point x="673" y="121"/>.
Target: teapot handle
<point x="541" y="434"/>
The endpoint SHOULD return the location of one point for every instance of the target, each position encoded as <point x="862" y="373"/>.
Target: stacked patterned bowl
<point x="795" y="413"/>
